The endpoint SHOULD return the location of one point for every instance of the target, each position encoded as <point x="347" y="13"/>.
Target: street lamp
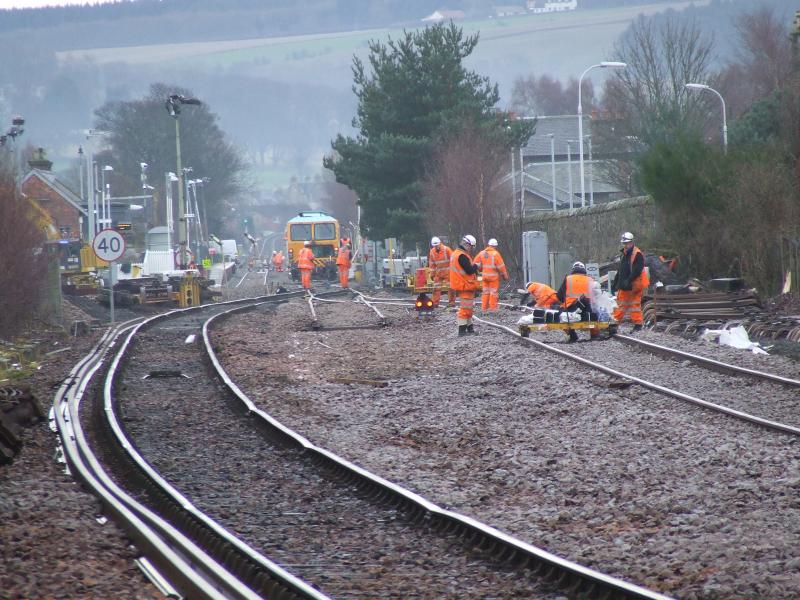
<point x="602" y="65"/>
<point x="700" y="86"/>
<point x="553" y="165"/>
<point x="173" y="105"/>
<point x="106" y="196"/>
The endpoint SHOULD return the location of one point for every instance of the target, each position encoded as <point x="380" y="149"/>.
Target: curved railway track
<point x="336" y="412"/>
<point x="443" y="561"/>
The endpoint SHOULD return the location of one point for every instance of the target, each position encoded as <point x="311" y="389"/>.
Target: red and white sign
<point x="212" y="251"/>
<point x="109" y="245"/>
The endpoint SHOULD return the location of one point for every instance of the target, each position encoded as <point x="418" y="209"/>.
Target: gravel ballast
<point x="669" y="496"/>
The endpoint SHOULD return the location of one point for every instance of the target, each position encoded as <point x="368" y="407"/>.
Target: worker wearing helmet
<point x="277" y="260"/>
<point x="305" y="262"/>
<point x="630" y="281"/>
<point x="575" y="293"/>
<point x="343" y="262"/>
<point x="464" y="281"/>
<point x="439" y="264"/>
<point x="492" y="268"/>
<point x="541" y="294"/>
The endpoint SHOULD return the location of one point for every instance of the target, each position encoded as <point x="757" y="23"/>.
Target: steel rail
<point x="286" y="582"/>
<point x="782" y="427"/>
<point x="707" y="362"/>
<point x="359" y="297"/>
<point x="580" y="579"/>
<point x="85" y="466"/>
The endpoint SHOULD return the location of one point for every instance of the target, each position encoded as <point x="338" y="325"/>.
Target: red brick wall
<point x="64" y="214"/>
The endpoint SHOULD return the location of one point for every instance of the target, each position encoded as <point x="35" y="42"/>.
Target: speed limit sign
<point x="108" y="245"/>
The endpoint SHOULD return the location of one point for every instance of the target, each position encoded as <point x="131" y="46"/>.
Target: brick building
<point x="41" y="186"/>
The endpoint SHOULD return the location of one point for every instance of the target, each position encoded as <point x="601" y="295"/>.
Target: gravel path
<point x="635" y="484"/>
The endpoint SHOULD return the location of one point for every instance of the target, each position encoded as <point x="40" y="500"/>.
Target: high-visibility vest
<point x="439" y="259"/>
<point x="577" y="286"/>
<point x="305" y="260"/>
<point x="460" y="280"/>
<point x="492" y="265"/>
<point x="343" y="259"/>
<point x="644" y="276"/>
<point x="543" y="294"/>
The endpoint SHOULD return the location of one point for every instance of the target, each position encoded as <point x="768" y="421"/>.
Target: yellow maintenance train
<point x="322" y="230"/>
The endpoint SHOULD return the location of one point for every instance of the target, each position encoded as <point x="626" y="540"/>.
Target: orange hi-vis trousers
<point x="437" y="289"/>
<point x="344" y="273"/>
<point x="466" y="304"/>
<point x="629" y="301"/>
<point x="305" y="278"/>
<point x="491" y="294"/>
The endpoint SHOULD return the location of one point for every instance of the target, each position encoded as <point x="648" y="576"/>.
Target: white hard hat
<point x="529" y="284"/>
<point x="626" y="237"/>
<point x="492" y="242"/>
<point x="435" y="241"/>
<point x="578" y="266"/>
<point x="469" y="239"/>
<point x="274" y="251"/>
<point x="307" y="243"/>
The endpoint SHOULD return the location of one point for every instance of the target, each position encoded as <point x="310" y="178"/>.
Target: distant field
<point x="561" y="44"/>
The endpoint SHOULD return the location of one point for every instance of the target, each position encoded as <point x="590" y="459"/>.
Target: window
<point x="300" y="232"/>
<point x="325" y="231"/>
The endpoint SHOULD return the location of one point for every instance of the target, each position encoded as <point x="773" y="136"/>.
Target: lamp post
<point x="173" y="105"/>
<point x="106" y="197"/>
<point x="569" y="172"/>
<point x="700" y="86"/>
<point x="170" y="179"/>
<point x="553" y="166"/>
<point x="602" y="65"/>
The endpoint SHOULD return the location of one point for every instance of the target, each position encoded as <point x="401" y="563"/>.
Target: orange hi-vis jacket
<point x="460" y="280"/>
<point x="543" y="295"/>
<point x="577" y="286"/>
<point x="643" y="280"/>
<point x="305" y="259"/>
<point x="343" y="259"/>
<point x="439" y="260"/>
<point x="492" y="265"/>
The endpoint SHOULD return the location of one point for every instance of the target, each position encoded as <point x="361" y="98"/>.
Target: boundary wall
<point x="591" y="234"/>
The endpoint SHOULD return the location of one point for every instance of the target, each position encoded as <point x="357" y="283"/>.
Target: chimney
<point x="39" y="161"/>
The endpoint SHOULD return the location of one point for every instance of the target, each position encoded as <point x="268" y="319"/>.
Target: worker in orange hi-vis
<point x="305" y="262"/>
<point x="541" y="295"/>
<point x="492" y="269"/>
<point x="279" y="260"/>
<point x="343" y="262"/>
<point x="631" y="281"/>
<point x="464" y="281"/>
<point x="439" y="264"/>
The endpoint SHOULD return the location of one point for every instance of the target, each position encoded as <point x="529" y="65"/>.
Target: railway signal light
<point x="423" y="304"/>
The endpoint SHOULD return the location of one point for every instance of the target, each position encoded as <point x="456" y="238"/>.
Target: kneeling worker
<point x="464" y="281"/>
<point x="575" y="293"/>
<point x="542" y="295"/>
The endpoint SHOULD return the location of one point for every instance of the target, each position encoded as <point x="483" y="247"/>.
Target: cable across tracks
<point x="705" y="362"/>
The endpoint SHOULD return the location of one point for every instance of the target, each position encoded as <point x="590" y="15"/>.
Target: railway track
<point x="458" y="555"/>
<point x="407" y="426"/>
<point x="776" y="400"/>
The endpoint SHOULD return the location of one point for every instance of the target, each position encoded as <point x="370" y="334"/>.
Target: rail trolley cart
<point x="543" y="322"/>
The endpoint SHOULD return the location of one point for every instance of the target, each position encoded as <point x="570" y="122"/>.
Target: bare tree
<point x="23" y="259"/>
<point x="466" y="193"/>
<point x="648" y="97"/>
<point x="546" y="95"/>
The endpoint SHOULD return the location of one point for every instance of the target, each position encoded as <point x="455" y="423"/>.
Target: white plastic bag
<point x="735" y="337"/>
<point x="526" y="320"/>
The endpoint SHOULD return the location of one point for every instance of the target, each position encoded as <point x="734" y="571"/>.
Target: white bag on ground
<point x="735" y="337"/>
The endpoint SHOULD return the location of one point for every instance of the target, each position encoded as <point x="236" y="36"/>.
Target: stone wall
<point x="592" y="234"/>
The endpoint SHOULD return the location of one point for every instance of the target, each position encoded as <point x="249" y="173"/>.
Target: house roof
<point x="49" y="178"/>
<point x="564" y="128"/>
<point x="441" y="15"/>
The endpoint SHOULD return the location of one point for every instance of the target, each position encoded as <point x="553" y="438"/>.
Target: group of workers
<point x="460" y="270"/>
<point x="344" y="260"/>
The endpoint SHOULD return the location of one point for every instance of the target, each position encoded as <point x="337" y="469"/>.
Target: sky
<point x="40" y="3"/>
